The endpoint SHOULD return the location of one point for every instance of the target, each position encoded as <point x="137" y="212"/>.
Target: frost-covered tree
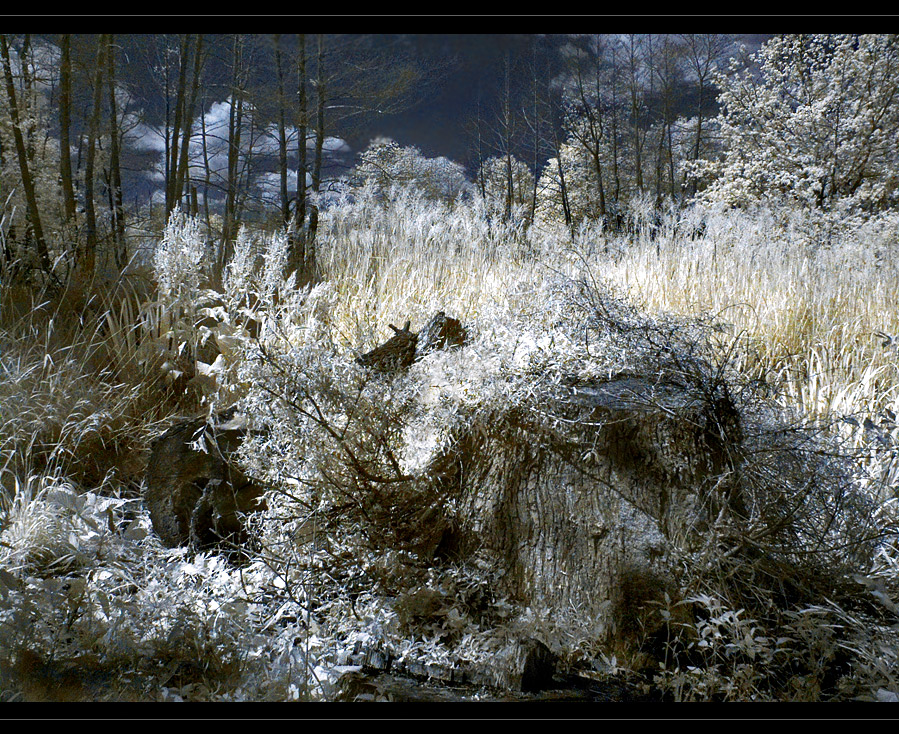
<point x="387" y="167"/>
<point x="580" y="188"/>
<point x="817" y="124"/>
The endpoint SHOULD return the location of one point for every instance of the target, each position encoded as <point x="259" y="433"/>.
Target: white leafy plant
<point x="191" y="313"/>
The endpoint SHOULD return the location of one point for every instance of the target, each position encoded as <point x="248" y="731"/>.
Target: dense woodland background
<point x="158" y="260"/>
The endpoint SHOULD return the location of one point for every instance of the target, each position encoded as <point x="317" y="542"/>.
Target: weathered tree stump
<point x="194" y="491"/>
<point x="405" y="346"/>
<point x="580" y="518"/>
<point x="441" y="332"/>
<point x="396" y="353"/>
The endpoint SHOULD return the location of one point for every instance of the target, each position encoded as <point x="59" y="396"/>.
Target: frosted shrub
<point x="85" y="587"/>
<point x="352" y="456"/>
<point x="201" y="329"/>
<point x="179" y="260"/>
<point x="182" y="276"/>
<point x="257" y="266"/>
<point x="304" y="384"/>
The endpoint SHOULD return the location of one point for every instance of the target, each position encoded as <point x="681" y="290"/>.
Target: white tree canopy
<point x="386" y="166"/>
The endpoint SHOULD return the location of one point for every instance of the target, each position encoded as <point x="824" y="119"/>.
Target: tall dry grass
<point x="811" y="306"/>
<point x="406" y="259"/>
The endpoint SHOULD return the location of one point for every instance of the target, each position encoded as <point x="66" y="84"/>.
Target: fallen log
<point x="195" y="492"/>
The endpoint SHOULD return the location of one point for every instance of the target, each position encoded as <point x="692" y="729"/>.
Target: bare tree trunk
<point x="482" y="184"/>
<point x="566" y="206"/>
<point x="636" y="103"/>
<point x="27" y="96"/>
<point x="592" y="138"/>
<point x="89" y="256"/>
<point x="245" y="166"/>
<point x="302" y="131"/>
<point x="599" y="138"/>
<point x="638" y="140"/>
<point x="697" y="146"/>
<point x="616" y="170"/>
<point x="65" y="117"/>
<point x="563" y="188"/>
<point x="319" y="138"/>
<point x="533" y="207"/>
<point x="235" y="122"/>
<point x="172" y="192"/>
<point x="34" y="219"/>
<point x="181" y="171"/>
<point x="507" y="139"/>
<point x="206" y="171"/>
<point x="282" y="134"/>
<point x="166" y="129"/>
<point x="296" y="261"/>
<point x="118" y="212"/>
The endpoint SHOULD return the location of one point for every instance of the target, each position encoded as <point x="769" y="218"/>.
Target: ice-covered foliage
<point x="86" y="588"/>
<point x="199" y="328"/>
<point x="305" y="383"/>
<point x="181" y="260"/>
